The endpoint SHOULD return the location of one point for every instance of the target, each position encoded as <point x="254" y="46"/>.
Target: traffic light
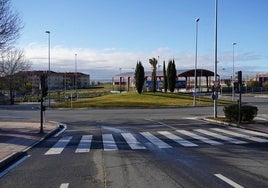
<point x="44" y="86"/>
<point x="239" y="76"/>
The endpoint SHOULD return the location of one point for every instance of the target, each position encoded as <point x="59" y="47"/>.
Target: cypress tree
<point x="165" y="76"/>
<point x="171" y="75"/>
<point x="139" y="77"/>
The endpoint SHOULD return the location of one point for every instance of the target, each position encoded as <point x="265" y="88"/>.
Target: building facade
<point x="57" y="80"/>
<point x="262" y="78"/>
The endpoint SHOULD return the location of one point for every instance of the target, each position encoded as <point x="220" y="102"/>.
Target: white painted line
<point x="251" y="132"/>
<point x="108" y="142"/>
<point x="14" y="165"/>
<point x="132" y="141"/>
<point x="222" y="137"/>
<point x="84" y="145"/>
<point x="261" y="140"/>
<point x="177" y="139"/>
<point x="227" y="180"/>
<point x="64" y="128"/>
<point x="64" y="185"/>
<point x="198" y="137"/>
<point x="59" y="146"/>
<point x="156" y="141"/>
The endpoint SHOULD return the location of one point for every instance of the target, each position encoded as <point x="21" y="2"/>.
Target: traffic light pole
<point x="42" y="117"/>
<point x="239" y="75"/>
<point x="44" y="92"/>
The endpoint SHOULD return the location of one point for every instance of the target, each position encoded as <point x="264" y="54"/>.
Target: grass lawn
<point x="146" y="99"/>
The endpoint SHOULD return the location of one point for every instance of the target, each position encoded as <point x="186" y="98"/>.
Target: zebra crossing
<point x="164" y="139"/>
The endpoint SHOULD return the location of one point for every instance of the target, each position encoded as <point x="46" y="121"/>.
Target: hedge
<point x="248" y="112"/>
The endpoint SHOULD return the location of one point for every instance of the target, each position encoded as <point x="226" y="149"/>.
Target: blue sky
<point x="111" y="35"/>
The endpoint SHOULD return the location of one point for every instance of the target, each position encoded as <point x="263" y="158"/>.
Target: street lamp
<point x="215" y="59"/>
<point x="233" y="75"/>
<point x="48" y="74"/>
<point x="195" y="67"/>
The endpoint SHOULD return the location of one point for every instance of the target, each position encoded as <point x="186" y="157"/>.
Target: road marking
<point x="241" y="135"/>
<point x="225" y="138"/>
<point x="198" y="137"/>
<point x="59" y="146"/>
<point x="161" y="123"/>
<point x="132" y="141"/>
<point x="227" y="180"/>
<point x="108" y="142"/>
<point x="177" y="139"/>
<point x="252" y="132"/>
<point x="64" y="185"/>
<point x="14" y="165"/>
<point x="85" y="144"/>
<point x="156" y="141"/>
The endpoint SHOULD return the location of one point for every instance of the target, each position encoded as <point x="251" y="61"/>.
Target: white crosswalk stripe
<point x="59" y="146"/>
<point x="84" y="145"/>
<point x="156" y="141"/>
<point x="206" y="136"/>
<point x="261" y="140"/>
<point x="108" y="142"/>
<point x="251" y="132"/>
<point x="177" y="139"/>
<point x="222" y="137"/>
<point x="198" y="137"/>
<point x="132" y="141"/>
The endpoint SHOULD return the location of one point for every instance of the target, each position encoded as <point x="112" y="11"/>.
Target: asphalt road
<point x="141" y="148"/>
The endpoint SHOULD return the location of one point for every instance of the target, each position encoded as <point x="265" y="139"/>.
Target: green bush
<point x="248" y="112"/>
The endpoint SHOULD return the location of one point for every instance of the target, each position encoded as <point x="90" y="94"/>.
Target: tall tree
<point x="139" y="77"/>
<point x="171" y="75"/>
<point x="165" y="76"/>
<point x="153" y="63"/>
<point x="10" y="25"/>
<point x="12" y="62"/>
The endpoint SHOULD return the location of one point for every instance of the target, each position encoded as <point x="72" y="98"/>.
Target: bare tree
<point x="12" y="62"/>
<point x="10" y="25"/>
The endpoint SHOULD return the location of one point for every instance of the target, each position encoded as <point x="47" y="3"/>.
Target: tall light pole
<point x="76" y="76"/>
<point x="215" y="64"/>
<point x="195" y="65"/>
<point x="48" y="75"/>
<point x="233" y="75"/>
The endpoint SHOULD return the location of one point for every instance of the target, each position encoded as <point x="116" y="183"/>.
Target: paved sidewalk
<point x="17" y="137"/>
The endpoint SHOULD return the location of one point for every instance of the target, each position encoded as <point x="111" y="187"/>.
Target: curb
<point x="17" y="155"/>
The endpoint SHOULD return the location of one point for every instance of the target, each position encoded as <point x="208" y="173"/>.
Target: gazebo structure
<point x="203" y="78"/>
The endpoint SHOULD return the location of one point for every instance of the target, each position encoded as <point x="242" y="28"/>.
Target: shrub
<point x="248" y="112"/>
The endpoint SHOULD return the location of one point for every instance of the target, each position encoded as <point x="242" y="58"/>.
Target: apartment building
<point x="57" y="80"/>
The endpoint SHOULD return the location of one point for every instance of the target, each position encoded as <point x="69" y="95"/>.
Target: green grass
<point x="147" y="99"/>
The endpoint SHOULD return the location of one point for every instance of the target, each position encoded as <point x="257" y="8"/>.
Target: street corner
<point x="16" y="138"/>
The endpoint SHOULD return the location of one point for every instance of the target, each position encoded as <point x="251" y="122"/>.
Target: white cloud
<point x="105" y="63"/>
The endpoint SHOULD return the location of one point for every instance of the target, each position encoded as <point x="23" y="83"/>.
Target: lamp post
<point x="215" y="63"/>
<point x="48" y="75"/>
<point x="76" y="76"/>
<point x="233" y="75"/>
<point x="195" y="66"/>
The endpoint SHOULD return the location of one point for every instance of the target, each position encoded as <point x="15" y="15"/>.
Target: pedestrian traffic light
<point x="239" y="76"/>
<point x="44" y="87"/>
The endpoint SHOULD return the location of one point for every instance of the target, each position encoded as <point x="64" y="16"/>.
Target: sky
<point x="110" y="36"/>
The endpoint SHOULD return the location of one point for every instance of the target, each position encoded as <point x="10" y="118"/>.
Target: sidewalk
<point x="17" y="137"/>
